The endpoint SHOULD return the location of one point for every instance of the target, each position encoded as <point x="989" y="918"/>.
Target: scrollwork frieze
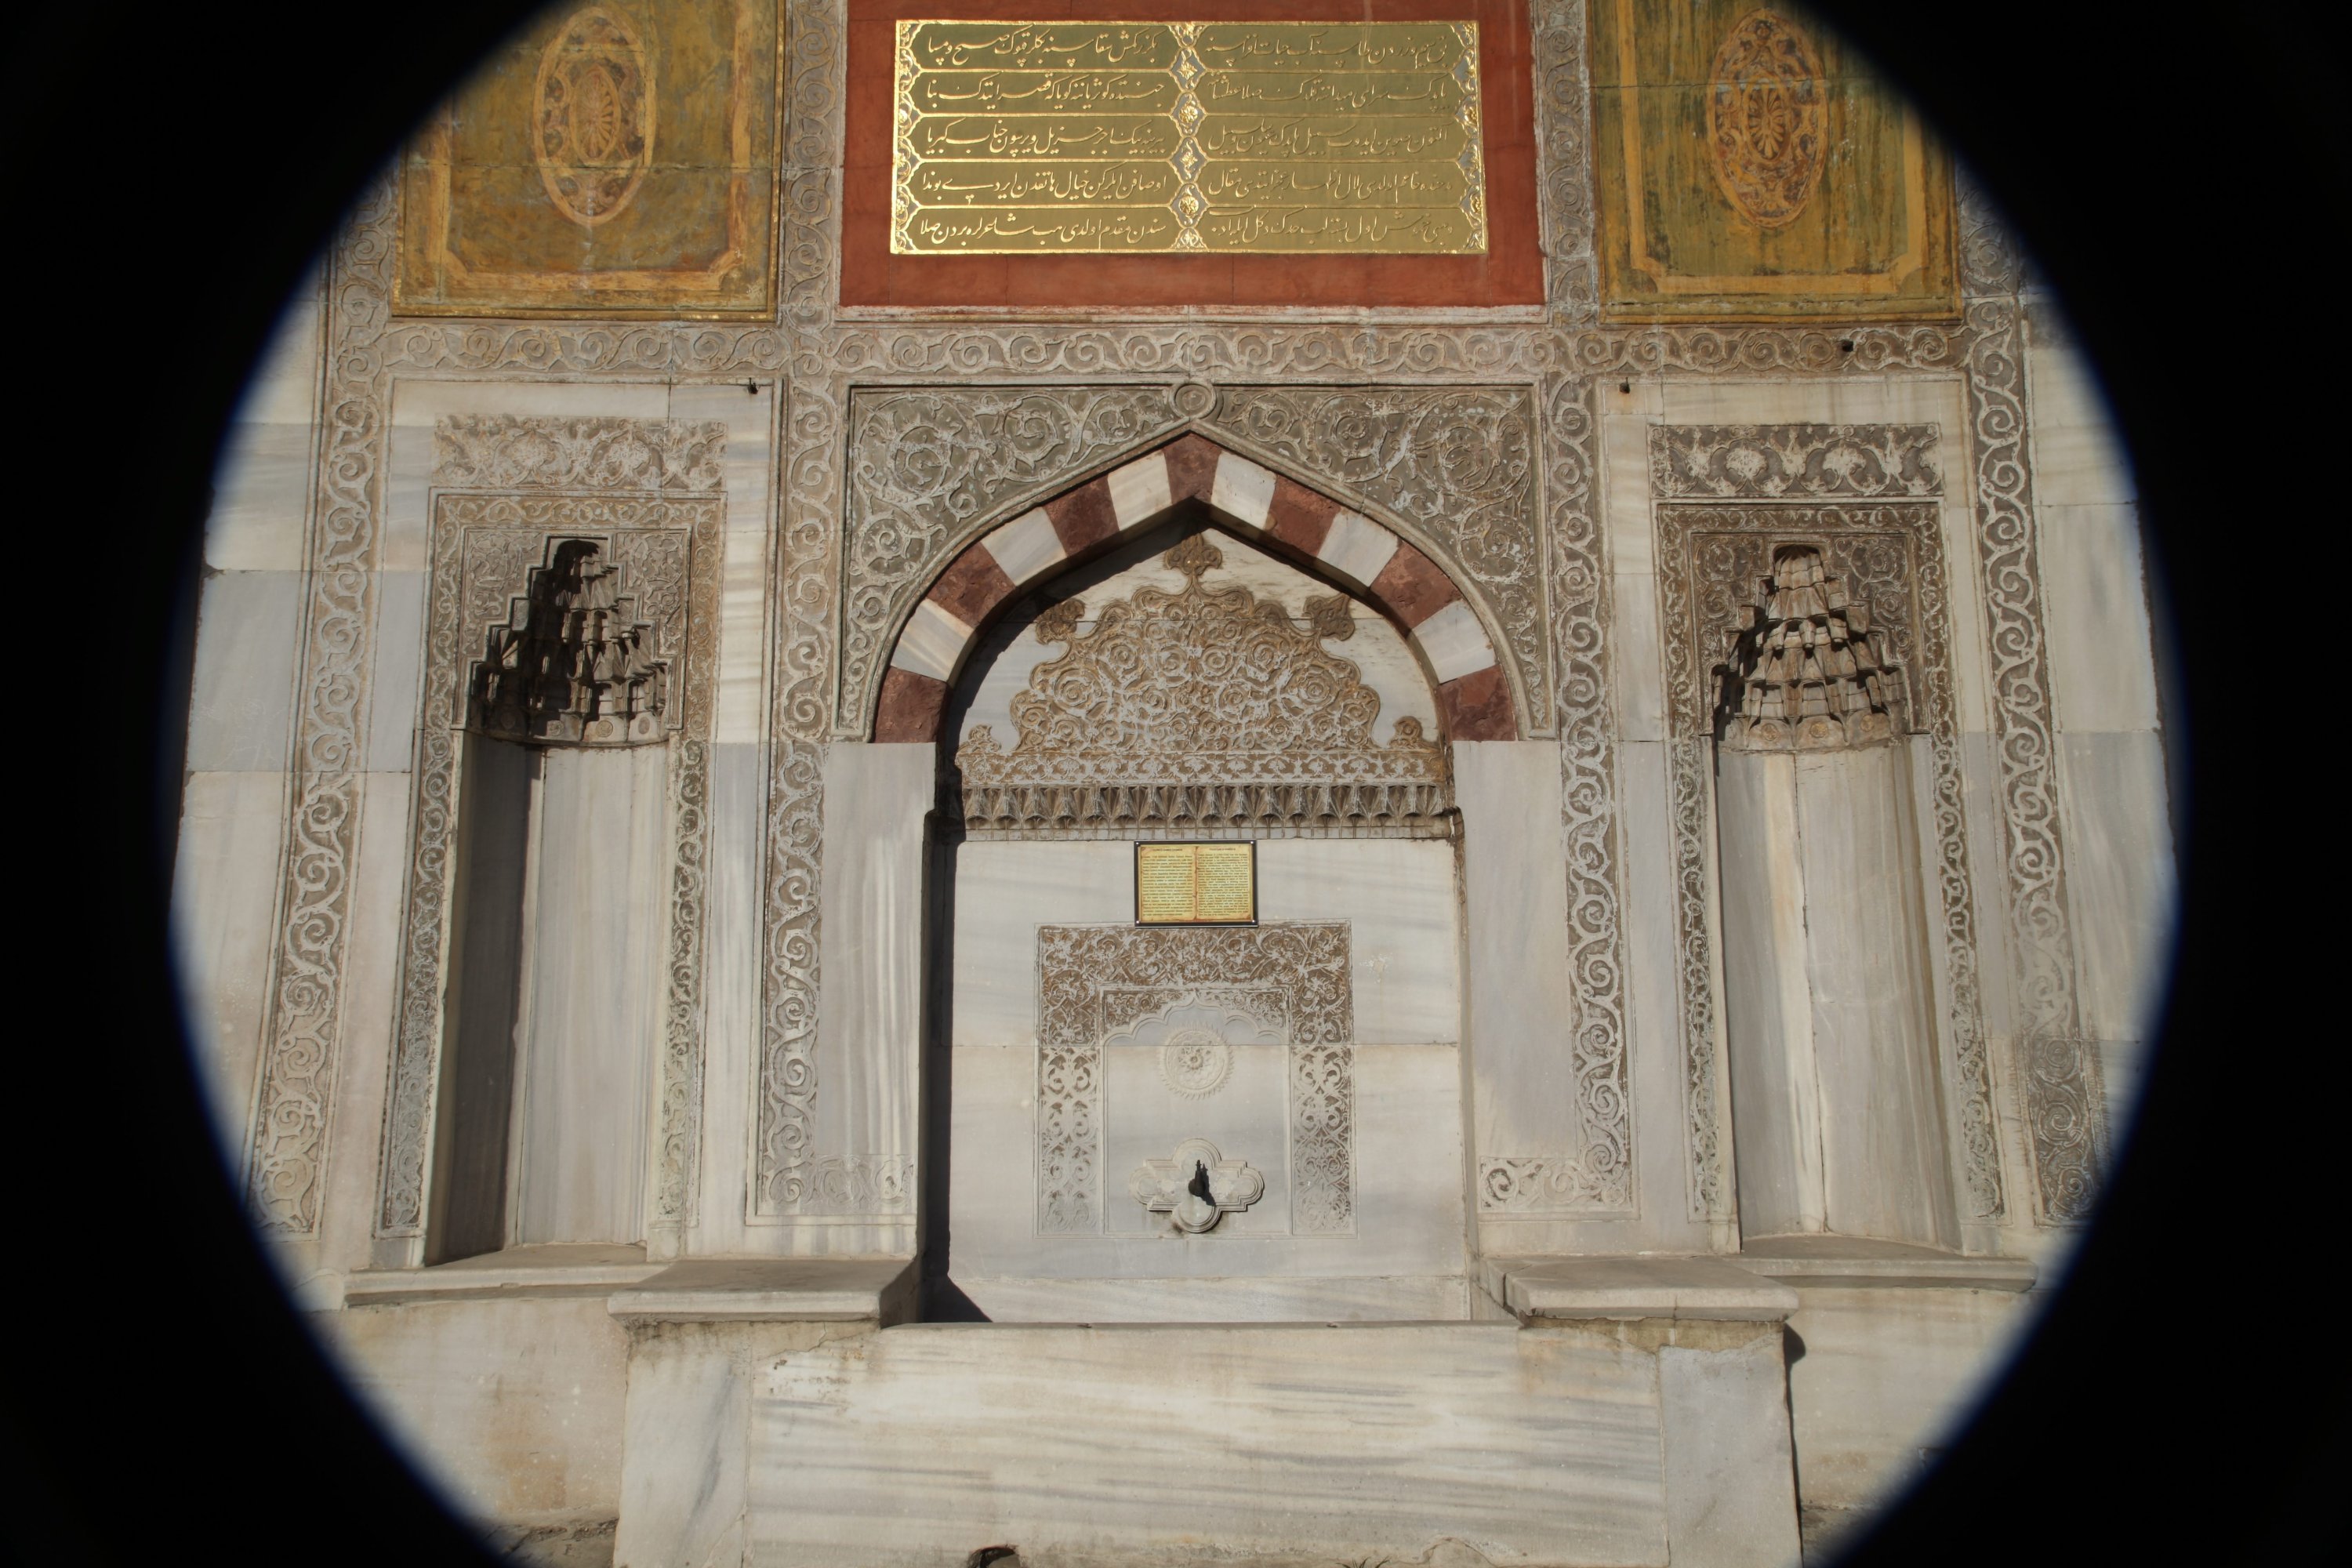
<point x="1597" y="1176"/>
<point x="513" y="452"/>
<point x="1468" y="349"/>
<point x="2065" y="1101"/>
<point x="1793" y="462"/>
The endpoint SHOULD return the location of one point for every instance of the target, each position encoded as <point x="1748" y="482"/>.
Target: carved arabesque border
<point x="816" y="357"/>
<point x="1597" y="1177"/>
<point x="1691" y="604"/>
<point x="2065" y="1099"/>
<point x="1306" y="963"/>
<point x="1564" y="158"/>
<point x="483" y="546"/>
<point x="931" y="468"/>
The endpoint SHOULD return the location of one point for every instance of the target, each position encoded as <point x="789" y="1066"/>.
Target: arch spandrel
<point x="1484" y="694"/>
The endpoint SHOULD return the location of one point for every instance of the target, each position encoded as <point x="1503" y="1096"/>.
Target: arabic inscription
<point x="1331" y="138"/>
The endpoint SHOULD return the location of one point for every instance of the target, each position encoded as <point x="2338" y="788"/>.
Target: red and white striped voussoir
<point x="1473" y="699"/>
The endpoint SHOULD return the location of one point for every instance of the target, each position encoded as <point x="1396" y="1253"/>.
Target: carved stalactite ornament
<point x="1806" y="673"/>
<point x="573" y="665"/>
<point x="1204" y="708"/>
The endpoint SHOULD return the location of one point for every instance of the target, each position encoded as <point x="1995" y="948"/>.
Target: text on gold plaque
<point x="1302" y="137"/>
<point x="1195" y="884"/>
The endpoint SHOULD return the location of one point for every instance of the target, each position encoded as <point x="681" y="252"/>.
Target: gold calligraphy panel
<point x="1305" y="137"/>
<point x="1195" y="884"/>
<point x="611" y="160"/>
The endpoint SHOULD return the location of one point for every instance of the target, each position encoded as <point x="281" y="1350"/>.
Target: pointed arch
<point x="1371" y="561"/>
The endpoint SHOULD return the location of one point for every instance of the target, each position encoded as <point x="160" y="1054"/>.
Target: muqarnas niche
<point x="1836" y="1109"/>
<point x="557" y="983"/>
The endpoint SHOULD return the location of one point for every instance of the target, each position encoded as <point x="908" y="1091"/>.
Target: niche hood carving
<point x="1199" y="710"/>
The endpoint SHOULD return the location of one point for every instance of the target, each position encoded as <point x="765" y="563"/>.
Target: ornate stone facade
<point x="823" y="357"/>
<point x="1475" y="1060"/>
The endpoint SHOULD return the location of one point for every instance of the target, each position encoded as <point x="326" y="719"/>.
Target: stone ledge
<point x="1886" y="1265"/>
<point x="534" y="1273"/>
<point x="771" y="1289"/>
<point x="1627" y="1288"/>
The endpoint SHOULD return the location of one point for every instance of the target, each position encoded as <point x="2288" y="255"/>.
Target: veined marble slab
<point x="1262" y="1445"/>
<point x="1245" y="1299"/>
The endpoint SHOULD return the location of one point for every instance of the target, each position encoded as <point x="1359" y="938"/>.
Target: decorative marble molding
<point x="1559" y="35"/>
<point x="1597" y="1176"/>
<point x="2065" y="1099"/>
<point x="1204" y="706"/>
<point x="1891" y="559"/>
<point x="1793" y="462"/>
<point x="1992" y="261"/>
<point x="1291" y="979"/>
<point x="510" y="452"/>
<point x="484" y="547"/>
<point x="287" y="1155"/>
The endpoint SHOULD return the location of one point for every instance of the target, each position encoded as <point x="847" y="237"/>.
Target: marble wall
<point x="240" y="717"/>
<point x="1538" y="1046"/>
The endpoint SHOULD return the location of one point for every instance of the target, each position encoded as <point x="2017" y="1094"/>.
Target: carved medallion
<point x="1765" y="130"/>
<point x="1195" y="1063"/>
<point x="592" y="115"/>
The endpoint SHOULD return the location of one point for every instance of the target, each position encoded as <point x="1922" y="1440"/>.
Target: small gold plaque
<point x="1331" y="138"/>
<point x="1195" y="884"/>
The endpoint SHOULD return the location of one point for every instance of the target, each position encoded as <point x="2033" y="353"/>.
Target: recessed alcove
<point x="559" y="859"/>
<point x="1217" y="692"/>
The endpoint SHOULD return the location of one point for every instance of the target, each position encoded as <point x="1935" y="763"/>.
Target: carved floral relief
<point x="1285" y="980"/>
<point x="1206" y="707"/>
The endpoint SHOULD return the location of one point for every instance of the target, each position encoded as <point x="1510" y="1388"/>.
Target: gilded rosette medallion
<point x="592" y="110"/>
<point x="1764" y="120"/>
<point x="616" y="158"/>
